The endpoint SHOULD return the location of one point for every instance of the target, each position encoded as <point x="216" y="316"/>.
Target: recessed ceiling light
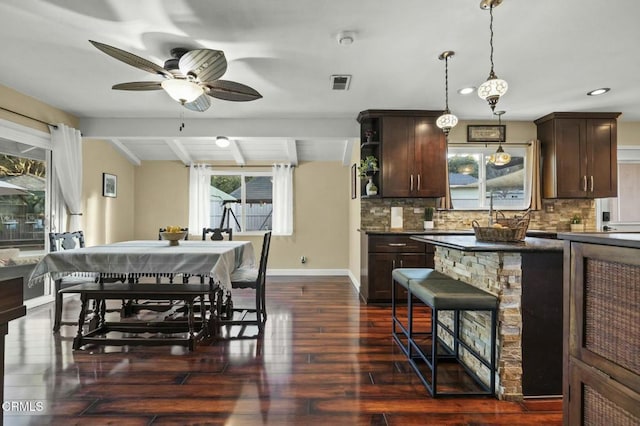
<point x="222" y="141"/>
<point x="597" y="92"/>
<point x="466" y="90"/>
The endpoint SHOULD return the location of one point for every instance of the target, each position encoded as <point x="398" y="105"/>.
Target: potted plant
<point x="367" y="168"/>
<point x="576" y="223"/>
<point x="428" y="217"/>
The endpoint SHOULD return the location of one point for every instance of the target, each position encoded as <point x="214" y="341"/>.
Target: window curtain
<point x="445" y="202"/>
<point x="532" y="183"/>
<point x="199" y="198"/>
<point x="282" y="199"/>
<point x="66" y="143"/>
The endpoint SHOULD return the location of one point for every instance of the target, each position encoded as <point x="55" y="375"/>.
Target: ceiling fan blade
<point x="204" y="64"/>
<point x="131" y="59"/>
<point x="231" y="91"/>
<point x="138" y="85"/>
<point x="201" y="104"/>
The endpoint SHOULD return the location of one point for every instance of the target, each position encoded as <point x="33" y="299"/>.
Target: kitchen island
<point x="527" y="278"/>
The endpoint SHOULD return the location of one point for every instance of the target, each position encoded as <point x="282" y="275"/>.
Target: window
<point x="241" y="201"/>
<point x="472" y="179"/>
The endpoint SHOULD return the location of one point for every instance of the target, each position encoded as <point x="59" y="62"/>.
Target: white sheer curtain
<point x="199" y="198"/>
<point x="67" y="163"/>
<point x="282" y="199"/>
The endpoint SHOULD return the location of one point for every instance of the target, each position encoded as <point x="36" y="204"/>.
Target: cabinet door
<point x="380" y="267"/>
<point x="430" y="159"/>
<point x="397" y="156"/>
<point x="602" y="158"/>
<point x="571" y="158"/>
<point x="411" y="260"/>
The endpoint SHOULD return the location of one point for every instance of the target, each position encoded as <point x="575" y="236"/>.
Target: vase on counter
<point x="371" y="187"/>
<point x="428" y="224"/>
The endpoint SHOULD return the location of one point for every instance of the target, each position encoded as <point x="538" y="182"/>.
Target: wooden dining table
<point x="214" y="261"/>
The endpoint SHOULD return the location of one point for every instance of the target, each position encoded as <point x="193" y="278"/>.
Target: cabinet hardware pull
<point x="411" y="189"/>
<point x="397" y="244"/>
<point x="584" y="183"/>
<point x="401" y="263"/>
<point x="393" y="264"/>
<point x="591" y="183"/>
<point x="418" y="182"/>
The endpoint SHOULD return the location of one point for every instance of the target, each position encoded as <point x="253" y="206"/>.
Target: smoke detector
<point x="340" y="82"/>
<point x="345" y="38"/>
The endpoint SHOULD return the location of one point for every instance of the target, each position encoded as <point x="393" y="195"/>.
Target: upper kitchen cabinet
<point x="413" y="152"/>
<point x="579" y="154"/>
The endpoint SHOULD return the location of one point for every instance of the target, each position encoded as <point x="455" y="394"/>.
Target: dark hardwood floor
<point x="325" y="358"/>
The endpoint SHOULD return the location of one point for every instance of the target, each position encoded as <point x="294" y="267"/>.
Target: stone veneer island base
<point x="527" y="278"/>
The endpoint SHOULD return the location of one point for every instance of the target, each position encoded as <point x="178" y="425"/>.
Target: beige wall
<point x="321" y="195"/>
<point x="354" y="224"/>
<point x="106" y="219"/>
<point x="16" y="101"/>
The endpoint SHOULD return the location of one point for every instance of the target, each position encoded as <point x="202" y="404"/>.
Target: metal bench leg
<point x="434" y="352"/>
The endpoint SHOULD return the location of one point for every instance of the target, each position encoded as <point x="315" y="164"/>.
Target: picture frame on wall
<point x="109" y="185"/>
<point x="486" y="133"/>
<point x="354" y="181"/>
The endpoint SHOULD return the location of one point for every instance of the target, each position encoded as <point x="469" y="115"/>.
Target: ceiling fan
<point x="190" y="76"/>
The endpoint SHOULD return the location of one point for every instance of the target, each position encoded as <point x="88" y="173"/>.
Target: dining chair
<point x="217" y="234"/>
<point x="59" y="241"/>
<point x="252" y="278"/>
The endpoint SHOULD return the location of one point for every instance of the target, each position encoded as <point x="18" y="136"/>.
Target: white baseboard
<point x="309" y="272"/>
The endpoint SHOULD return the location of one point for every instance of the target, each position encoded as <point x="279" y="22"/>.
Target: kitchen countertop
<point x="620" y="239"/>
<point x="530" y="232"/>
<point x="469" y="243"/>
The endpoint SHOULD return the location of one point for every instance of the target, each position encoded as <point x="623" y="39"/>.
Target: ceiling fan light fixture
<point x="222" y="141"/>
<point x="183" y="91"/>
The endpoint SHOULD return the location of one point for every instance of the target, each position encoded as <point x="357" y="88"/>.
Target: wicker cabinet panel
<point x="602" y="326"/>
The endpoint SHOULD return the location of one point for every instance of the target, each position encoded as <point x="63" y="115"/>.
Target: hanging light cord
<point x="491" y="35"/>
<point x="446" y="83"/>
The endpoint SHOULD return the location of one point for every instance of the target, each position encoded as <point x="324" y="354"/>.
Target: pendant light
<point x="492" y="89"/>
<point x="446" y="121"/>
<point x="500" y="158"/>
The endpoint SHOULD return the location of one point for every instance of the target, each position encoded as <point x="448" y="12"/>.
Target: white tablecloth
<point x="216" y="259"/>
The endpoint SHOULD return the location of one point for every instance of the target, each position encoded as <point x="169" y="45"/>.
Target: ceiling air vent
<point x="340" y="82"/>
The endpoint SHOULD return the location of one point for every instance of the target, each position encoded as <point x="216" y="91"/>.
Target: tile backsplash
<point x="555" y="215"/>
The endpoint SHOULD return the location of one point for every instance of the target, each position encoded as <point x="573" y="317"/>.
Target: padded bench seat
<point x="188" y="293"/>
<point x="440" y="292"/>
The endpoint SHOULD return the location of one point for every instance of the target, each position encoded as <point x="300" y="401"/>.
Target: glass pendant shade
<point x="447" y="121"/>
<point x="183" y="91"/>
<point x="500" y="158"/>
<point x="492" y="89"/>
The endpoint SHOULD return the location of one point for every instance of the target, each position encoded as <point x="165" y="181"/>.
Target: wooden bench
<point x="441" y="293"/>
<point x="188" y="293"/>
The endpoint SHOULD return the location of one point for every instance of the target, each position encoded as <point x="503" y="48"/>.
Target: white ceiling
<point x="551" y="52"/>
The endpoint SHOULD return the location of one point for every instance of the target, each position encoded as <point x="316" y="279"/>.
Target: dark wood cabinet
<point x="579" y="154"/>
<point x="601" y="334"/>
<point x="380" y="254"/>
<point x="412" y="152"/>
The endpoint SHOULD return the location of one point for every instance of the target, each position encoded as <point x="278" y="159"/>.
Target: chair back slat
<point x="217" y="234"/>
<point x="65" y="240"/>
<point x="264" y="256"/>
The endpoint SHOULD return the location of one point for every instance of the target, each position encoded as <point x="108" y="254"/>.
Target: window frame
<point x="243" y="194"/>
<point x="485" y="150"/>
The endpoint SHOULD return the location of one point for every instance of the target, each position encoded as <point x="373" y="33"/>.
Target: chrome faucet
<point x="490" y="208"/>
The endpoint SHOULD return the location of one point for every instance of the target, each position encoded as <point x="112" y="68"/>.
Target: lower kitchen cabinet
<point x="380" y="254"/>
